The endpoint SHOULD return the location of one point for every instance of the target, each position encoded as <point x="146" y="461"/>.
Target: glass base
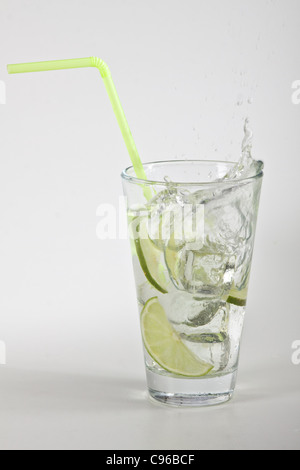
<point x="205" y="391"/>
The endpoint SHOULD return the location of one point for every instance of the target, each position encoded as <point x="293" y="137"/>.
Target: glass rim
<point x="140" y="181"/>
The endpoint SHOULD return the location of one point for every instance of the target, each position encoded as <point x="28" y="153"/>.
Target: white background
<point x="186" y="73"/>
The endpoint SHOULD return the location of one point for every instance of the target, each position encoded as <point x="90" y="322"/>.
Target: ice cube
<point x="208" y="308"/>
<point x="208" y="272"/>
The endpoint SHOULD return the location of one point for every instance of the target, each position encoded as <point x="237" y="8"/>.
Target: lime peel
<point x="238" y="297"/>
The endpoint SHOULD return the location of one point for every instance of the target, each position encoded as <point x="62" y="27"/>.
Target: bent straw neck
<point x="112" y="93"/>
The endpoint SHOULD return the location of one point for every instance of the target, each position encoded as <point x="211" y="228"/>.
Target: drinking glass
<point x="192" y="235"/>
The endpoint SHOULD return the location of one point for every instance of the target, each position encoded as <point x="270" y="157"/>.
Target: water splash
<point x="248" y="138"/>
<point x="246" y="167"/>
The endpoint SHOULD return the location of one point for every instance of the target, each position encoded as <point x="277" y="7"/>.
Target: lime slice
<point x="238" y="297"/>
<point x="172" y="259"/>
<point x="165" y="346"/>
<point x="150" y="257"/>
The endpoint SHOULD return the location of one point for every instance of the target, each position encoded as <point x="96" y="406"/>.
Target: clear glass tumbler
<point x="192" y="236"/>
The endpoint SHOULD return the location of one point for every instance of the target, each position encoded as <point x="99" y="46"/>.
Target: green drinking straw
<point x="112" y="93"/>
